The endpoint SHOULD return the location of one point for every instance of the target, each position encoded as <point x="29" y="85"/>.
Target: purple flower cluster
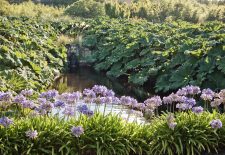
<point x="189" y="90"/>
<point x="100" y="90"/>
<point x="5" y="121"/>
<point x="69" y="111"/>
<point x="77" y="131"/>
<point x="70" y="98"/>
<point x="49" y="94"/>
<point x="19" y="99"/>
<point x="89" y="93"/>
<point x="28" y="104"/>
<point x="45" y="106"/>
<point x="5" y="97"/>
<point x="197" y="110"/>
<point x="207" y="94"/>
<point x="27" y="92"/>
<point x="32" y="134"/>
<point x="153" y="102"/>
<point x="186" y="103"/>
<point x="84" y="110"/>
<point x="59" y="104"/>
<point x="216" y="124"/>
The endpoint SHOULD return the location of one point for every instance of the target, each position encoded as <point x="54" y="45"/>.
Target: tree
<point x="86" y="9"/>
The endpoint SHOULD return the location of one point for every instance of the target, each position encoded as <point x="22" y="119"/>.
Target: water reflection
<point x="86" y="77"/>
<point x="123" y="111"/>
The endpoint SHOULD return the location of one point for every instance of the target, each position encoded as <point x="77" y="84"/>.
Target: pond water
<point x="86" y="77"/>
<point x="124" y="112"/>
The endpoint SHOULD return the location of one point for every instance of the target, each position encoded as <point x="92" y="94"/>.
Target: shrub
<point x="31" y="9"/>
<point x="3" y="7"/>
<point x="110" y="134"/>
<point x="169" y="55"/>
<point x="86" y="9"/>
<point x="192" y="135"/>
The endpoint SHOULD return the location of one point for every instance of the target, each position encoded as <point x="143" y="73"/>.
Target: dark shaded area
<point x="86" y="77"/>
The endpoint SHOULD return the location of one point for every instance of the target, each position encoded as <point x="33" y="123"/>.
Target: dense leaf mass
<point x="173" y="54"/>
<point x="29" y="55"/>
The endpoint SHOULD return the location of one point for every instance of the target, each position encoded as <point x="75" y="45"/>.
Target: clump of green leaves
<point x="28" y="53"/>
<point x="171" y="55"/>
<point x="86" y="9"/>
<point x="110" y="134"/>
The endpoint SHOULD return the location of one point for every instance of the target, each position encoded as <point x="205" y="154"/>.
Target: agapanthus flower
<point x="168" y="100"/>
<point x="49" y="94"/>
<point x="207" y="94"/>
<point x="102" y="100"/>
<point x="116" y="100"/>
<point x="5" y="121"/>
<point x="28" y="104"/>
<point x="27" y="92"/>
<point x="69" y="98"/>
<point x="172" y="125"/>
<point x="32" y="134"/>
<point x="216" y="102"/>
<point x="100" y="90"/>
<point x="175" y="97"/>
<point x="189" y="101"/>
<point x="81" y="108"/>
<point x="216" y="124"/>
<point x="125" y="100"/>
<point x="59" y="104"/>
<point x="222" y="95"/>
<point x="109" y="93"/>
<point x="76" y="95"/>
<point x="69" y="111"/>
<point x="153" y="102"/>
<point x="134" y="103"/>
<point x="88" y="113"/>
<point x="41" y="100"/>
<point x="182" y="92"/>
<point x="197" y="110"/>
<point x="46" y="106"/>
<point x="108" y="100"/>
<point x="171" y="121"/>
<point x="141" y="106"/>
<point x="183" y="106"/>
<point x="19" y="99"/>
<point x="5" y="97"/>
<point x="77" y="131"/>
<point x="193" y="90"/>
<point x="89" y="93"/>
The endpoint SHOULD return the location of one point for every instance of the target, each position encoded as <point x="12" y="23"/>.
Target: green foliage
<point x="167" y="10"/>
<point x="174" y="55"/>
<point x="103" y="135"/>
<point x="28" y="53"/>
<point x="192" y="135"/>
<point x="30" y="9"/>
<point x="86" y="9"/>
<point x="111" y="135"/>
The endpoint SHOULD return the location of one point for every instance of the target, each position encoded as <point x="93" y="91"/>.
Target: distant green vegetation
<point x="152" y="10"/>
<point x="171" y="54"/>
<point x="30" y="9"/>
<point x="86" y="9"/>
<point x="167" y="10"/>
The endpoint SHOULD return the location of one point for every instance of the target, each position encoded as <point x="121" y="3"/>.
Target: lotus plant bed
<point x="53" y="123"/>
